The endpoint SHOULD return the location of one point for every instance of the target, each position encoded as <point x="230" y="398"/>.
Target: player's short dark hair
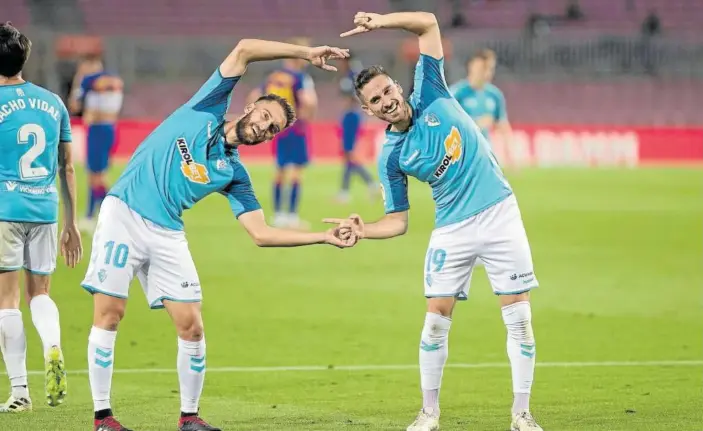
<point x="287" y="109"/>
<point x="365" y="76"/>
<point x="14" y="50"/>
<point x="485" y="54"/>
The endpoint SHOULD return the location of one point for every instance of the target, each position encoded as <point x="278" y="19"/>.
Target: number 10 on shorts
<point x="116" y="256"/>
<point x="434" y="261"/>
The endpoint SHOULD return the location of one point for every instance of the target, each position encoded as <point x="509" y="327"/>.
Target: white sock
<point x="434" y="350"/>
<point x="14" y="351"/>
<point x="191" y="373"/>
<point x="521" y="352"/>
<point x="45" y="316"/>
<point x="101" y="362"/>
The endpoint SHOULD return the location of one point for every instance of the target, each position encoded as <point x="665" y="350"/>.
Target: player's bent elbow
<point x="261" y="237"/>
<point x="244" y="49"/>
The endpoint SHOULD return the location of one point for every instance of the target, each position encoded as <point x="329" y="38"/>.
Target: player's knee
<point x="296" y="174"/>
<point x="191" y="330"/>
<point x="9" y="290"/>
<point x="435" y="332"/>
<point x="97" y="179"/>
<point x="189" y="322"/>
<point x="36" y="285"/>
<point x="442" y="306"/>
<point x="108" y="312"/>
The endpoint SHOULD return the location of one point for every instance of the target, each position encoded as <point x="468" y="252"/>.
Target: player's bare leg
<point x="45" y="316"/>
<point x="279" y="180"/>
<point x="13" y="343"/>
<point x="107" y="313"/>
<point x="188" y="320"/>
<point x="434" y="350"/>
<point x="517" y="316"/>
<point x="295" y="174"/>
<point x="98" y="191"/>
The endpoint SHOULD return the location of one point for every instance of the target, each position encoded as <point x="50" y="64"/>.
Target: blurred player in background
<point x="350" y="127"/>
<point x="296" y="87"/>
<point x="432" y="139"/>
<point x="35" y="138"/>
<point x="97" y="94"/>
<point x="482" y="100"/>
<point x="190" y="155"/>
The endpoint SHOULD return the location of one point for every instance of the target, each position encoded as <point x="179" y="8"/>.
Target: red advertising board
<point x="532" y="145"/>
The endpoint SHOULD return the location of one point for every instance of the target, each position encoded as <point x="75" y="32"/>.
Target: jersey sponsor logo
<point x="221" y="164"/>
<point x="12" y="186"/>
<point x="453" y="148"/>
<point x="195" y="172"/>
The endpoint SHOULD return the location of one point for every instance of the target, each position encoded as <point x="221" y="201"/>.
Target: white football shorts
<point x="125" y="244"/>
<point x="28" y="245"/>
<point x="496" y="236"/>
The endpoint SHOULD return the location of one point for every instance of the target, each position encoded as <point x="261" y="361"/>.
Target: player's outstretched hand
<point x="319" y="56"/>
<point x="71" y="245"/>
<point x="364" y="22"/>
<point x="353" y="225"/>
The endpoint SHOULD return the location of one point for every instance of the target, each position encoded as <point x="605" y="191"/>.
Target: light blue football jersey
<point x="33" y="121"/>
<point x="442" y="147"/>
<point x="487" y="101"/>
<point x="185" y="159"/>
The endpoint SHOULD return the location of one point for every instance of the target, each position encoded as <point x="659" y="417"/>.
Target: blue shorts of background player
<point x="351" y="126"/>
<point x="101" y="139"/>
<point x="291" y="159"/>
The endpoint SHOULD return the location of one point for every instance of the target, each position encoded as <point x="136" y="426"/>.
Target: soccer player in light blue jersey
<point x="190" y="155"/>
<point x="431" y="138"/>
<point x="35" y="138"/>
<point x="482" y="100"/>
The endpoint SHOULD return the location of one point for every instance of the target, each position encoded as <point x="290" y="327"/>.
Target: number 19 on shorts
<point x="434" y="261"/>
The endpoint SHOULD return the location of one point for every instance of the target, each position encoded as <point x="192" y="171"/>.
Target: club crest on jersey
<point x="195" y="172"/>
<point x="453" y="148"/>
<point x="431" y="120"/>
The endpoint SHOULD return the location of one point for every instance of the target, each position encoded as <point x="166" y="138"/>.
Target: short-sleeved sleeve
<point x="394" y="183"/>
<point x="501" y="113"/>
<point x="65" y="133"/>
<point x="240" y="193"/>
<point x="429" y="83"/>
<point x="215" y="95"/>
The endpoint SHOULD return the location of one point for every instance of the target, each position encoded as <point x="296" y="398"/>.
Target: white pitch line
<point x="306" y="368"/>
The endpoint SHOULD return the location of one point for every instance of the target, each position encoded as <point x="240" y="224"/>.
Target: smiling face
<point x="263" y="119"/>
<point x="383" y="98"/>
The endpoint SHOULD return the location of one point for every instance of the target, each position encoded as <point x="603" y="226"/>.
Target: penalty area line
<point x="308" y="368"/>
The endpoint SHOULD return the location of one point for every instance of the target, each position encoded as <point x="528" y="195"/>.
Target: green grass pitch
<point x="617" y="253"/>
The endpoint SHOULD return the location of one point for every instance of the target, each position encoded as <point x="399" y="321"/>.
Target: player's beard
<point x="244" y="126"/>
<point x="399" y="115"/>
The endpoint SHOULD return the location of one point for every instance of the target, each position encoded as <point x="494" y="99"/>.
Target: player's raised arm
<point x="251" y="50"/>
<point x="423" y="24"/>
